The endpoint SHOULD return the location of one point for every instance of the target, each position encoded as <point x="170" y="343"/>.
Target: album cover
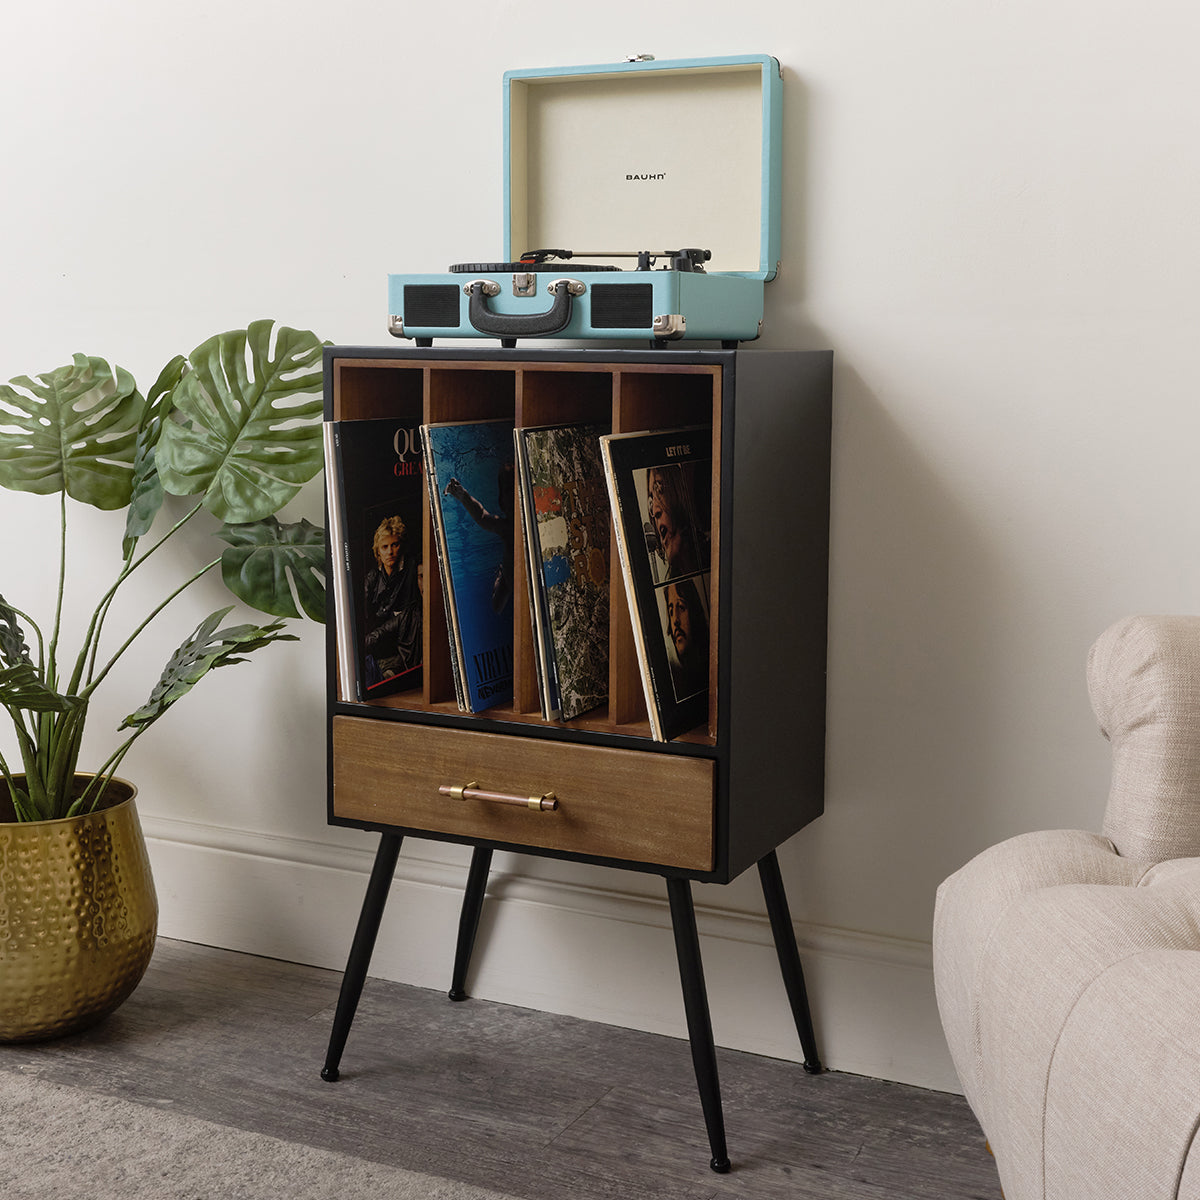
<point x="471" y="480"/>
<point x="570" y="531"/>
<point x="377" y="501"/>
<point x="660" y="487"/>
<point x="539" y="604"/>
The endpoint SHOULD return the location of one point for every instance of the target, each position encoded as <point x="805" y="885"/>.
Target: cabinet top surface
<point x="665" y="358"/>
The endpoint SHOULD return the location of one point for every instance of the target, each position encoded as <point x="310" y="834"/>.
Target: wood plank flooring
<point x="540" y="1106"/>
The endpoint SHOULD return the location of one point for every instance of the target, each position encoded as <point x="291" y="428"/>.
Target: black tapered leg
<point x="360" y="951"/>
<point x="468" y="921"/>
<point x="695" y="1003"/>
<point x="789" y="958"/>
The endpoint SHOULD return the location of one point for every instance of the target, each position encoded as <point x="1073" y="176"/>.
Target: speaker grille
<point x="622" y="305"/>
<point x="429" y="305"/>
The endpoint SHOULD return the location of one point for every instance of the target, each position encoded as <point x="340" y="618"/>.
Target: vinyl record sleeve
<point x="472" y="494"/>
<point x="376" y="501"/>
<point x="339" y="585"/>
<point x="660" y="487"/>
<point x="539" y="607"/>
<point x="570" y="529"/>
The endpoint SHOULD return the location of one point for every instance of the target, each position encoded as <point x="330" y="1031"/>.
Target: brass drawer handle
<point x="547" y="802"/>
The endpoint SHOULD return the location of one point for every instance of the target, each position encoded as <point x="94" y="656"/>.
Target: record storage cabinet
<point x="706" y="806"/>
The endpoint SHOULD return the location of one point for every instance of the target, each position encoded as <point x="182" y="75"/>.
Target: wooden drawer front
<point x="625" y="804"/>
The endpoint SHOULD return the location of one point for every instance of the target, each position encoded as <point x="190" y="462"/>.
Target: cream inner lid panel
<point x="628" y="162"/>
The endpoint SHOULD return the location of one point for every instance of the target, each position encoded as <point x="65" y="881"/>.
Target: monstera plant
<point x="235" y="426"/>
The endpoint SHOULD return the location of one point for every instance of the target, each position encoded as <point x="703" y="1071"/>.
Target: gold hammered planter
<point x="78" y="917"/>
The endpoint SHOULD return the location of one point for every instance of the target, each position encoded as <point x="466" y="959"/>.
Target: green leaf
<point x="158" y="398"/>
<point x="72" y="429"/>
<point x="13" y="647"/>
<point x="22" y="687"/>
<point x="241" y="432"/>
<point x="206" y="649"/>
<point x="267" y="558"/>
<point x="146" y="492"/>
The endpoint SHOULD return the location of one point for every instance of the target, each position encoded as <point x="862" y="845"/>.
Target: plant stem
<point x="95" y="683"/>
<point x="27" y="743"/>
<point x="90" y="796"/>
<point x="51" y="671"/>
<point x="85" y="665"/>
<point x="9" y="781"/>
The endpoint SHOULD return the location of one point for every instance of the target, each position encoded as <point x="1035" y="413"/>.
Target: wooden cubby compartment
<point x="630" y="398"/>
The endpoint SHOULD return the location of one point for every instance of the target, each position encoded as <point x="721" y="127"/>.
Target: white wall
<point x="990" y="216"/>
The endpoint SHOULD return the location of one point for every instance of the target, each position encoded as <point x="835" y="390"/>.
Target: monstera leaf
<point x="13" y="649"/>
<point x="241" y="430"/>
<point x="74" y="430"/>
<point x="206" y="649"/>
<point x="21" y="687"/>
<point x="146" y="492"/>
<point x="264" y="556"/>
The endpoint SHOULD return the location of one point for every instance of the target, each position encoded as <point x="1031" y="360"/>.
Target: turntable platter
<point x="481" y="268"/>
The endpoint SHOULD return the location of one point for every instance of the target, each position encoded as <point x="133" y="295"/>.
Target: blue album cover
<point x="472" y="486"/>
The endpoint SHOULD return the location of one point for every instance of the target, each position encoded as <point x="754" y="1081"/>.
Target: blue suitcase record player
<point x="641" y="200"/>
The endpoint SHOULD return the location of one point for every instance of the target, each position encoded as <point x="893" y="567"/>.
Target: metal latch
<point x="486" y="287"/>
<point x="669" y="325"/>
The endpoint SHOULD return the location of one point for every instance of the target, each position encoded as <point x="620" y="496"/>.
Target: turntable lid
<point x="647" y="155"/>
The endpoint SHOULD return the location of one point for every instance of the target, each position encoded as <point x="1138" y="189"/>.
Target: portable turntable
<point x="673" y="168"/>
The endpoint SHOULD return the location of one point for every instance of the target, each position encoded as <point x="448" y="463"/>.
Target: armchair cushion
<point x="1144" y="682"/>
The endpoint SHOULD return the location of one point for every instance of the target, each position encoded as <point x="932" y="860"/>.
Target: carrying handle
<point x="514" y="325"/>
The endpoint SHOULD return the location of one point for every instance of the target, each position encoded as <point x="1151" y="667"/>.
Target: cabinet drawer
<point x="639" y="806"/>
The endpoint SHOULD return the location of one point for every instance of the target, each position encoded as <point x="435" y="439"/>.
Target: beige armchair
<point x="1067" y="964"/>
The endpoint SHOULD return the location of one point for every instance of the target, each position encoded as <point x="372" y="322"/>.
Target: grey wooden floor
<point x="543" y="1107"/>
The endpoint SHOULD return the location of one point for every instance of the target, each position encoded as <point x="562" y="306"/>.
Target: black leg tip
<point x="330" y="1074"/>
<point x="457" y="994"/>
<point x="814" y="1067"/>
<point x="720" y="1165"/>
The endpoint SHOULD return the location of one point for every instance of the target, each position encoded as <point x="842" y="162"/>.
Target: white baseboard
<point x="596" y="953"/>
